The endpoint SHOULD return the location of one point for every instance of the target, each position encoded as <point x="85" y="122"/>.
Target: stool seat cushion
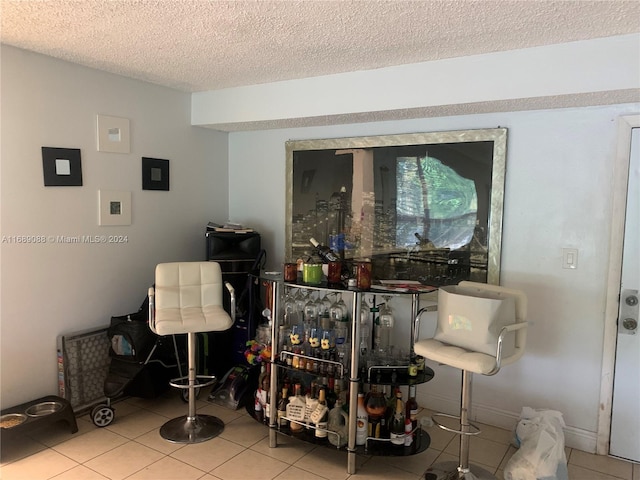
<point x="212" y="318"/>
<point x="455" y="356"/>
<point x="188" y="298"/>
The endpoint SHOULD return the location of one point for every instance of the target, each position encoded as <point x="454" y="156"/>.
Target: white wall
<point x="557" y="194"/>
<point x="49" y="289"/>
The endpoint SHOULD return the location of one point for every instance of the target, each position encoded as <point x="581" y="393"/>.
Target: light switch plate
<point x="570" y="258"/>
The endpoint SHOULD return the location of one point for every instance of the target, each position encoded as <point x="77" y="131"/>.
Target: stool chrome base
<point x="196" y="429"/>
<point x="449" y="471"/>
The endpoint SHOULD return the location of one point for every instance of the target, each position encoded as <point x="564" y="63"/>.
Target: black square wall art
<point x="61" y="167"/>
<point x="155" y="174"/>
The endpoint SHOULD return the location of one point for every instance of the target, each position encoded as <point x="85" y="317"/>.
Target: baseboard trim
<point x="573" y="437"/>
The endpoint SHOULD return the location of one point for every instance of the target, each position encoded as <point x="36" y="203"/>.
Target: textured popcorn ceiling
<point x="207" y="45"/>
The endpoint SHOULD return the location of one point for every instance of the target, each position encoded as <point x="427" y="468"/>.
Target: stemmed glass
<point x="338" y="310"/>
<point x="324" y="304"/>
<point x="311" y="310"/>
<point x="339" y="314"/>
<point x="301" y="299"/>
<point x="290" y="309"/>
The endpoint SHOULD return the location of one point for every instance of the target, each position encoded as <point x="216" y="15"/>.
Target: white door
<point x="625" y="417"/>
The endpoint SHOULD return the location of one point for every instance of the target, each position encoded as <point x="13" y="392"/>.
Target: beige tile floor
<point x="131" y="448"/>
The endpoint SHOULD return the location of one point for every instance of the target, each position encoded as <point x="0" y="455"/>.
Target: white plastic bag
<point x="541" y="454"/>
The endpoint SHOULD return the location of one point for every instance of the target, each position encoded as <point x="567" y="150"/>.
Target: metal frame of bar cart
<point x="354" y="371"/>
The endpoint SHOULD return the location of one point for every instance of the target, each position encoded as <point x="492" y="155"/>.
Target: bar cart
<point x="282" y="360"/>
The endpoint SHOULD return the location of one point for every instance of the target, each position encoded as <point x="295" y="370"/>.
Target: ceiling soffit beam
<point x="602" y="70"/>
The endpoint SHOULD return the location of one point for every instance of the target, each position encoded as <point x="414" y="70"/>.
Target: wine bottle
<point x="411" y="410"/>
<point x="311" y="403"/>
<point x="396" y="428"/>
<point x="282" y="409"/>
<point x="361" y="421"/>
<point x="408" y="434"/>
<point x="326" y="254"/>
<point x="264" y="383"/>
<point x="320" y="416"/>
<point x="257" y="407"/>
<point x="295" y="409"/>
<point x="332" y="396"/>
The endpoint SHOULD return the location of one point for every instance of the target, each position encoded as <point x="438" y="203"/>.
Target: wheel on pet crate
<point x="102" y="415"/>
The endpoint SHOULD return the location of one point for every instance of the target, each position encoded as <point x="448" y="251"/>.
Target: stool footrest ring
<point x="476" y="429"/>
<point x="452" y="471"/>
<point x="183" y="382"/>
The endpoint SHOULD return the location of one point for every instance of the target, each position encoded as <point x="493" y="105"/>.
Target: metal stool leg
<point x="192" y="428"/>
<point x="460" y="470"/>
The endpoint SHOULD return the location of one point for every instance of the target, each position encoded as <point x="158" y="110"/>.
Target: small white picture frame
<point x="113" y="134"/>
<point x="114" y="207"/>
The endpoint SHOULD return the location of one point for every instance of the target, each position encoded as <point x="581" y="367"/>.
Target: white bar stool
<point x="465" y="358"/>
<point x="187" y="298"/>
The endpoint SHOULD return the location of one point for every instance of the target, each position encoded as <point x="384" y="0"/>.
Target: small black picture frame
<point x="61" y="167"/>
<point x="155" y="174"/>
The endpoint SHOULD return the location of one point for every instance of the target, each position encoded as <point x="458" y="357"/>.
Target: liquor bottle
<point x="396" y="428"/>
<point x="295" y="409"/>
<point x="311" y="402"/>
<point x="391" y="408"/>
<point x="364" y="332"/>
<point x="361" y="421"/>
<point x="384" y="328"/>
<point x="411" y="410"/>
<point x="332" y="396"/>
<point x="341" y="394"/>
<point x="282" y="409"/>
<point x="257" y="407"/>
<point x="264" y="382"/>
<point x="259" y="397"/>
<point x="321" y="415"/>
<point x="311" y="362"/>
<point x="295" y="358"/>
<point x="338" y="423"/>
<point x="408" y="434"/>
<point x="326" y="254"/>
<point x="376" y="407"/>
<point x="302" y="360"/>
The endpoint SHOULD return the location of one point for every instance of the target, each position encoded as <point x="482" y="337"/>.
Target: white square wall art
<point x="114" y="207"/>
<point x="113" y="134"/>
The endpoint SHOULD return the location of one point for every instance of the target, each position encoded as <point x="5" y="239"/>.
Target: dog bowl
<point x="11" y="420"/>
<point x="43" y="408"/>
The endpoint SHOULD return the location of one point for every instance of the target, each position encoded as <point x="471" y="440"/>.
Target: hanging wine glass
<point x="323" y="309"/>
<point x="293" y="315"/>
<point x="301" y="299"/>
<point x="338" y="312"/>
<point x="310" y="315"/>
<point x="289" y="309"/>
